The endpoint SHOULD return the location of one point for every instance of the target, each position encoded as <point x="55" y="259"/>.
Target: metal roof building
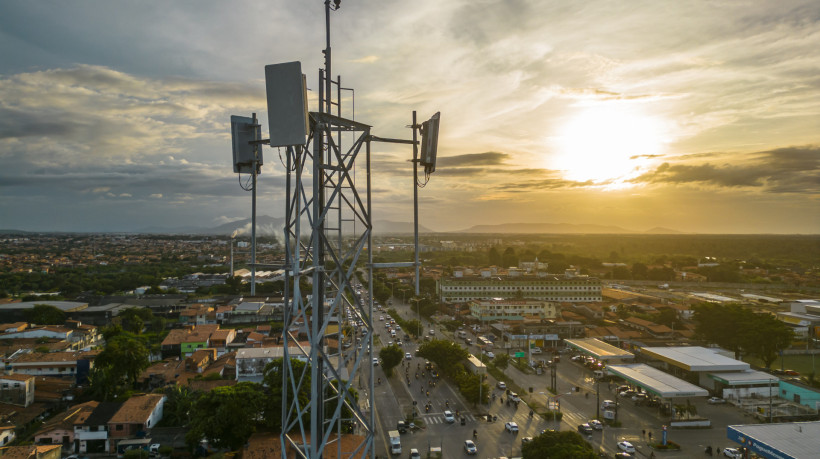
<point x="599" y="349"/>
<point x="695" y="358"/>
<point x="656" y="381"/>
<point x="794" y="440"/>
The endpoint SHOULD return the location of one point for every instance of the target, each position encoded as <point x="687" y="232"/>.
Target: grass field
<point x="805" y="364"/>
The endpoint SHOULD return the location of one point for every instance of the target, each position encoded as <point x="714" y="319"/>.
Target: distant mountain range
<point x="272" y="226"/>
<point x="559" y="228"/>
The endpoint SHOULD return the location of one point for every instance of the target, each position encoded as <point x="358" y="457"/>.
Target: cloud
<point x="783" y="170"/>
<point x="489" y="158"/>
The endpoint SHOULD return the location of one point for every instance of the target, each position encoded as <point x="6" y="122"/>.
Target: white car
<point x="511" y="427"/>
<point x="626" y="447"/>
<point x="489" y="354"/>
<point x="715" y="401"/>
<point x="732" y="452"/>
<point x="596" y="424"/>
<point x="535" y="350"/>
<point x="414" y="454"/>
<point x="375" y="361"/>
<point x="469" y="447"/>
<point x="381" y="318"/>
<point x="408" y="356"/>
<point x="449" y="417"/>
<point x="501" y="385"/>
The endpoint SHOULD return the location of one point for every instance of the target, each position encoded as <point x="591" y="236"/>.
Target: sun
<point x="607" y="144"/>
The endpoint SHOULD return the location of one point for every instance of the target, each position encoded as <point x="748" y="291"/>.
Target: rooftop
<point x="695" y="358"/>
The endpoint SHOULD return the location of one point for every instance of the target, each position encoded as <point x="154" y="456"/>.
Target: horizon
<point x="696" y="118"/>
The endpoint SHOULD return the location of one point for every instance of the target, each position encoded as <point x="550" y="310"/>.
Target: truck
<point x="395" y="442"/>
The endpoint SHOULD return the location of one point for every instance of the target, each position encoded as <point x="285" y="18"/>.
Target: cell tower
<point x="328" y="226"/>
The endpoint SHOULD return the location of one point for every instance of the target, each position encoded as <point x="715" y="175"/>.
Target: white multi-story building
<point x="502" y="309"/>
<point x="550" y="287"/>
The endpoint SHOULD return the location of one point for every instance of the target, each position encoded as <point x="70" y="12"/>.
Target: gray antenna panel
<point x="243" y="132"/>
<point x="287" y="104"/>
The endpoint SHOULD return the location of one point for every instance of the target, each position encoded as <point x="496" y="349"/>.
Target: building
<point x="136" y="416"/>
<point x="63" y="364"/>
<point x="512" y="309"/>
<point x="17" y="389"/>
<point x="251" y="362"/>
<point x="543" y="287"/>
<point x="91" y="433"/>
<point x="60" y="429"/>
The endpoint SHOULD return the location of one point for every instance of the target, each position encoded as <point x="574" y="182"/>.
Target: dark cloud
<point x="489" y="158"/>
<point x="784" y="170"/>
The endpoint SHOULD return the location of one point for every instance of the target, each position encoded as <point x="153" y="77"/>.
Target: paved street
<point x="577" y="407"/>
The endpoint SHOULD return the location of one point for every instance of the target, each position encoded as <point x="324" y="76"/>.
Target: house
<point x="33" y="452"/>
<point x="182" y="342"/>
<point x="200" y="360"/>
<point x="136" y="416"/>
<point x="7" y="435"/>
<point x="60" y="428"/>
<point x="64" y="364"/>
<point x="91" y="433"/>
<point x="17" y="389"/>
<point x="220" y="340"/>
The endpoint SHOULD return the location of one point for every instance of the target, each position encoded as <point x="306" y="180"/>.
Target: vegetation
<point x="742" y="331"/>
<point x="118" y="366"/>
<point x="449" y="358"/>
<point x="391" y="357"/>
<point x="44" y="314"/>
<point x="558" y="445"/>
<point x="225" y="416"/>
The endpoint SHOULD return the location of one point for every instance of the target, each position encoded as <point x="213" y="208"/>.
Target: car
<point x="626" y="447"/>
<point x="414" y="454"/>
<point x="526" y="440"/>
<point x="489" y="354"/>
<point x="408" y="356"/>
<point x="398" y="342"/>
<point x="511" y="427"/>
<point x="792" y="373"/>
<point x="381" y="318"/>
<point x="608" y="404"/>
<point x="596" y="424"/>
<point x="501" y="385"/>
<point x="627" y="393"/>
<point x="469" y="447"/>
<point x="432" y="332"/>
<point x="584" y="428"/>
<point x="715" y="401"/>
<point x="732" y="452"/>
<point x="514" y="397"/>
<point x="375" y="361"/>
<point x="535" y="350"/>
<point x="622" y="454"/>
<point x="449" y="417"/>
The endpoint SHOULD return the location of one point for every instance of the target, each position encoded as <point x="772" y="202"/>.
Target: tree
<point x="509" y="258"/>
<point x="761" y="335"/>
<point x="494" y="257"/>
<point x="45" y="314"/>
<point x="771" y="336"/>
<point x="390" y="356"/>
<point x="125" y="356"/>
<point x="558" y="445"/>
<point x="272" y="378"/>
<point x="620" y="272"/>
<point x="178" y="404"/>
<point x="639" y="271"/>
<point x="226" y="416"/>
<point x="447" y="355"/>
<point x="502" y="361"/>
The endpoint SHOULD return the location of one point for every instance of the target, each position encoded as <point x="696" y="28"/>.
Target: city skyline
<point x="698" y="117"/>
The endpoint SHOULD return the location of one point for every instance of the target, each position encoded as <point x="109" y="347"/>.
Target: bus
<point x="483" y="342"/>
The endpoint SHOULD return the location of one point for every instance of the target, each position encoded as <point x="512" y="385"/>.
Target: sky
<point x="699" y="116"/>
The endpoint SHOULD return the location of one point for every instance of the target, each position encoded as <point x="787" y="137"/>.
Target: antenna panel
<point x="243" y="132"/>
<point x="287" y="104"/>
<point x="429" y="143"/>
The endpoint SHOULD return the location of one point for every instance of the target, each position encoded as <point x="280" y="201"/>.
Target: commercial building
<point x="543" y="287"/>
<point x="512" y="309"/>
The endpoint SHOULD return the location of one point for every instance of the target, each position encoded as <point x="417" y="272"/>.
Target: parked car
<point x="584" y="428"/>
<point x="734" y="453"/>
<point x="511" y="427"/>
<point x="715" y="401"/>
<point x="469" y="447"/>
<point x="626" y="447"/>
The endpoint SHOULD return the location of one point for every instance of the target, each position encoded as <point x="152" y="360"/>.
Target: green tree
<point x="391" y="357"/>
<point x="178" y="404"/>
<point x="620" y="272"/>
<point x="494" y="258"/>
<point x="771" y="336"/>
<point x="639" y="271"/>
<point x="558" y="445"/>
<point x="45" y="314"/>
<point x="447" y="355"/>
<point x="104" y="385"/>
<point x="509" y="258"/>
<point x="125" y="356"/>
<point x="502" y="361"/>
<point x="272" y="378"/>
<point x="226" y="416"/>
